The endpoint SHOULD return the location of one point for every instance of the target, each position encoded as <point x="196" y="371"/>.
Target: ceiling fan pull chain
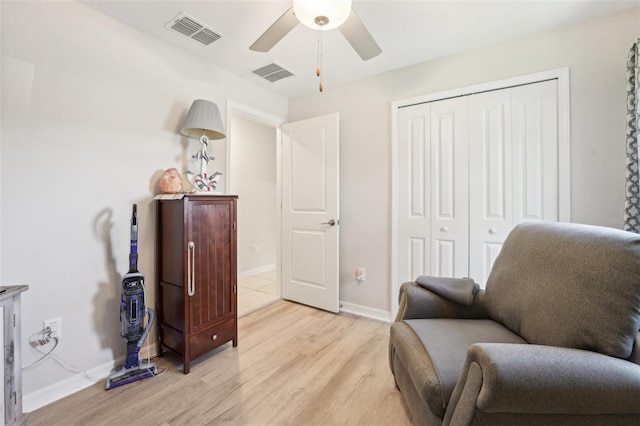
<point x="319" y="70"/>
<point x="318" y="58"/>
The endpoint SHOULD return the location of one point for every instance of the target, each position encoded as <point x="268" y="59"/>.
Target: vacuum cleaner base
<point x="123" y="376"/>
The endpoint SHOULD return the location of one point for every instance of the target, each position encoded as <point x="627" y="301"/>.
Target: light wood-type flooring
<point x="294" y="365"/>
<point x="257" y="291"/>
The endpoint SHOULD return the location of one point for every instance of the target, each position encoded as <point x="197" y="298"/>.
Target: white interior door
<point x="310" y="222"/>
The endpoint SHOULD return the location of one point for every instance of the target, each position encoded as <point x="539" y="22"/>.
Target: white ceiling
<point x="408" y="32"/>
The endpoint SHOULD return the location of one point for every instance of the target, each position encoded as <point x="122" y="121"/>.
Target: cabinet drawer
<point x="211" y="338"/>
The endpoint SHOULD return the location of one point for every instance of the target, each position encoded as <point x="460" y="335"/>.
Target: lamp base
<point x="203" y="182"/>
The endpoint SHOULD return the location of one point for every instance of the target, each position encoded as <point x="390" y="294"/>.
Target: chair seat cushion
<point x="434" y="351"/>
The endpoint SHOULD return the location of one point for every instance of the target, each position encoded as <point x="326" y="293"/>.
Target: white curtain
<point x="632" y="199"/>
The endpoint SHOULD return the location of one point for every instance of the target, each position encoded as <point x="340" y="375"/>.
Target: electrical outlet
<point x="360" y="274"/>
<point x="56" y="326"/>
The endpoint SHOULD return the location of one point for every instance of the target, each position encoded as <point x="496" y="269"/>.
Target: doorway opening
<point x="253" y="156"/>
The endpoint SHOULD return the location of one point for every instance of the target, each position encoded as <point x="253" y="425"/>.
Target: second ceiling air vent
<point x="272" y="72"/>
<point x="190" y="27"/>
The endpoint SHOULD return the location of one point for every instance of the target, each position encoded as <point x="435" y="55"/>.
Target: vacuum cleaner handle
<point x="133" y="254"/>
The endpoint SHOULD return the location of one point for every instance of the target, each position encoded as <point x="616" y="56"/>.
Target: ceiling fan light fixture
<point x="328" y="14"/>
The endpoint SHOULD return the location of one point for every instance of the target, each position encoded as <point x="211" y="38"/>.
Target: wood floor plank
<point x="294" y="365"/>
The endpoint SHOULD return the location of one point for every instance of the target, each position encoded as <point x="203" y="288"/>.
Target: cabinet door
<point x="211" y="262"/>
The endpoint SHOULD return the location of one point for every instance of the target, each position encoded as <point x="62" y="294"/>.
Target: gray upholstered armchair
<point x="553" y="340"/>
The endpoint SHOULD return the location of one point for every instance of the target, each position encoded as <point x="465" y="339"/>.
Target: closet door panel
<point x="417" y="247"/>
<point x="469" y="170"/>
<point x="535" y="152"/>
<point x="414" y="169"/>
<point x="490" y="186"/>
<point x="449" y="188"/>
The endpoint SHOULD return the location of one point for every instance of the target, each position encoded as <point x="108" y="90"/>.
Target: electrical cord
<point x="46" y="355"/>
<point x="45" y="337"/>
<point x="72" y="369"/>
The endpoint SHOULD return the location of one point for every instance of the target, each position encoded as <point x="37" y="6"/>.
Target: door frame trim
<point x="562" y="75"/>
<point x="240" y="110"/>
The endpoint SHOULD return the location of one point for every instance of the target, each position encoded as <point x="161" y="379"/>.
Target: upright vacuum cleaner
<point x="132" y="315"/>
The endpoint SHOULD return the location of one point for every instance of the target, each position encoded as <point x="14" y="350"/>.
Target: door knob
<point x="330" y="223"/>
<point x="444" y="229"/>
<point x="492" y="230"/>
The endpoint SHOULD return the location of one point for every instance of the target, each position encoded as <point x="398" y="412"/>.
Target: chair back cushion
<point x="569" y="285"/>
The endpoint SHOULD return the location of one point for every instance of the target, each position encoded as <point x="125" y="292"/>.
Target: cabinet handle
<point x="235" y="226"/>
<point x="191" y="268"/>
<point x="214" y="337"/>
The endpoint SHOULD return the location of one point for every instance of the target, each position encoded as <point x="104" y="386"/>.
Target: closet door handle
<point x="191" y="268"/>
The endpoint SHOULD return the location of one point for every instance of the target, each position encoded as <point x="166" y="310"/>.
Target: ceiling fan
<point x="323" y="15"/>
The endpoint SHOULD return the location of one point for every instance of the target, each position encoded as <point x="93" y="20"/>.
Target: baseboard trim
<point x="45" y="396"/>
<point x="52" y="393"/>
<point x="256" y="271"/>
<point x="365" y="311"/>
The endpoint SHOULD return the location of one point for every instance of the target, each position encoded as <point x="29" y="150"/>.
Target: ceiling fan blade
<point x="359" y="38"/>
<point x="275" y="32"/>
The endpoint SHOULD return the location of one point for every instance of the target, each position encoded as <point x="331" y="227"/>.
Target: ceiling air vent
<point x="272" y="72"/>
<point x="189" y="27"/>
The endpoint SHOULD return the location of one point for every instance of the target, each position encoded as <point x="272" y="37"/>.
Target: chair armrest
<point x="635" y="351"/>
<point x="417" y="302"/>
<point x="533" y="379"/>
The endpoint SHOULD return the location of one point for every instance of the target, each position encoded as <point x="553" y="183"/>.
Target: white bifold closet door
<point x="470" y="169"/>
<point x="433" y="189"/>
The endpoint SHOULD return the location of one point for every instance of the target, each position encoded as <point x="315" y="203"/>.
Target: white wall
<point x="91" y="112"/>
<point x="253" y="161"/>
<point x="596" y="52"/>
<point x="90" y="117"/>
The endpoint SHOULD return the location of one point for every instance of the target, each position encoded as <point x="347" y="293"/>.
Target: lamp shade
<point x="203" y="119"/>
<point x="336" y="11"/>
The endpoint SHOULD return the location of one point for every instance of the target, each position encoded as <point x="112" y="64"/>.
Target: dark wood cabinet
<point x="197" y="274"/>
